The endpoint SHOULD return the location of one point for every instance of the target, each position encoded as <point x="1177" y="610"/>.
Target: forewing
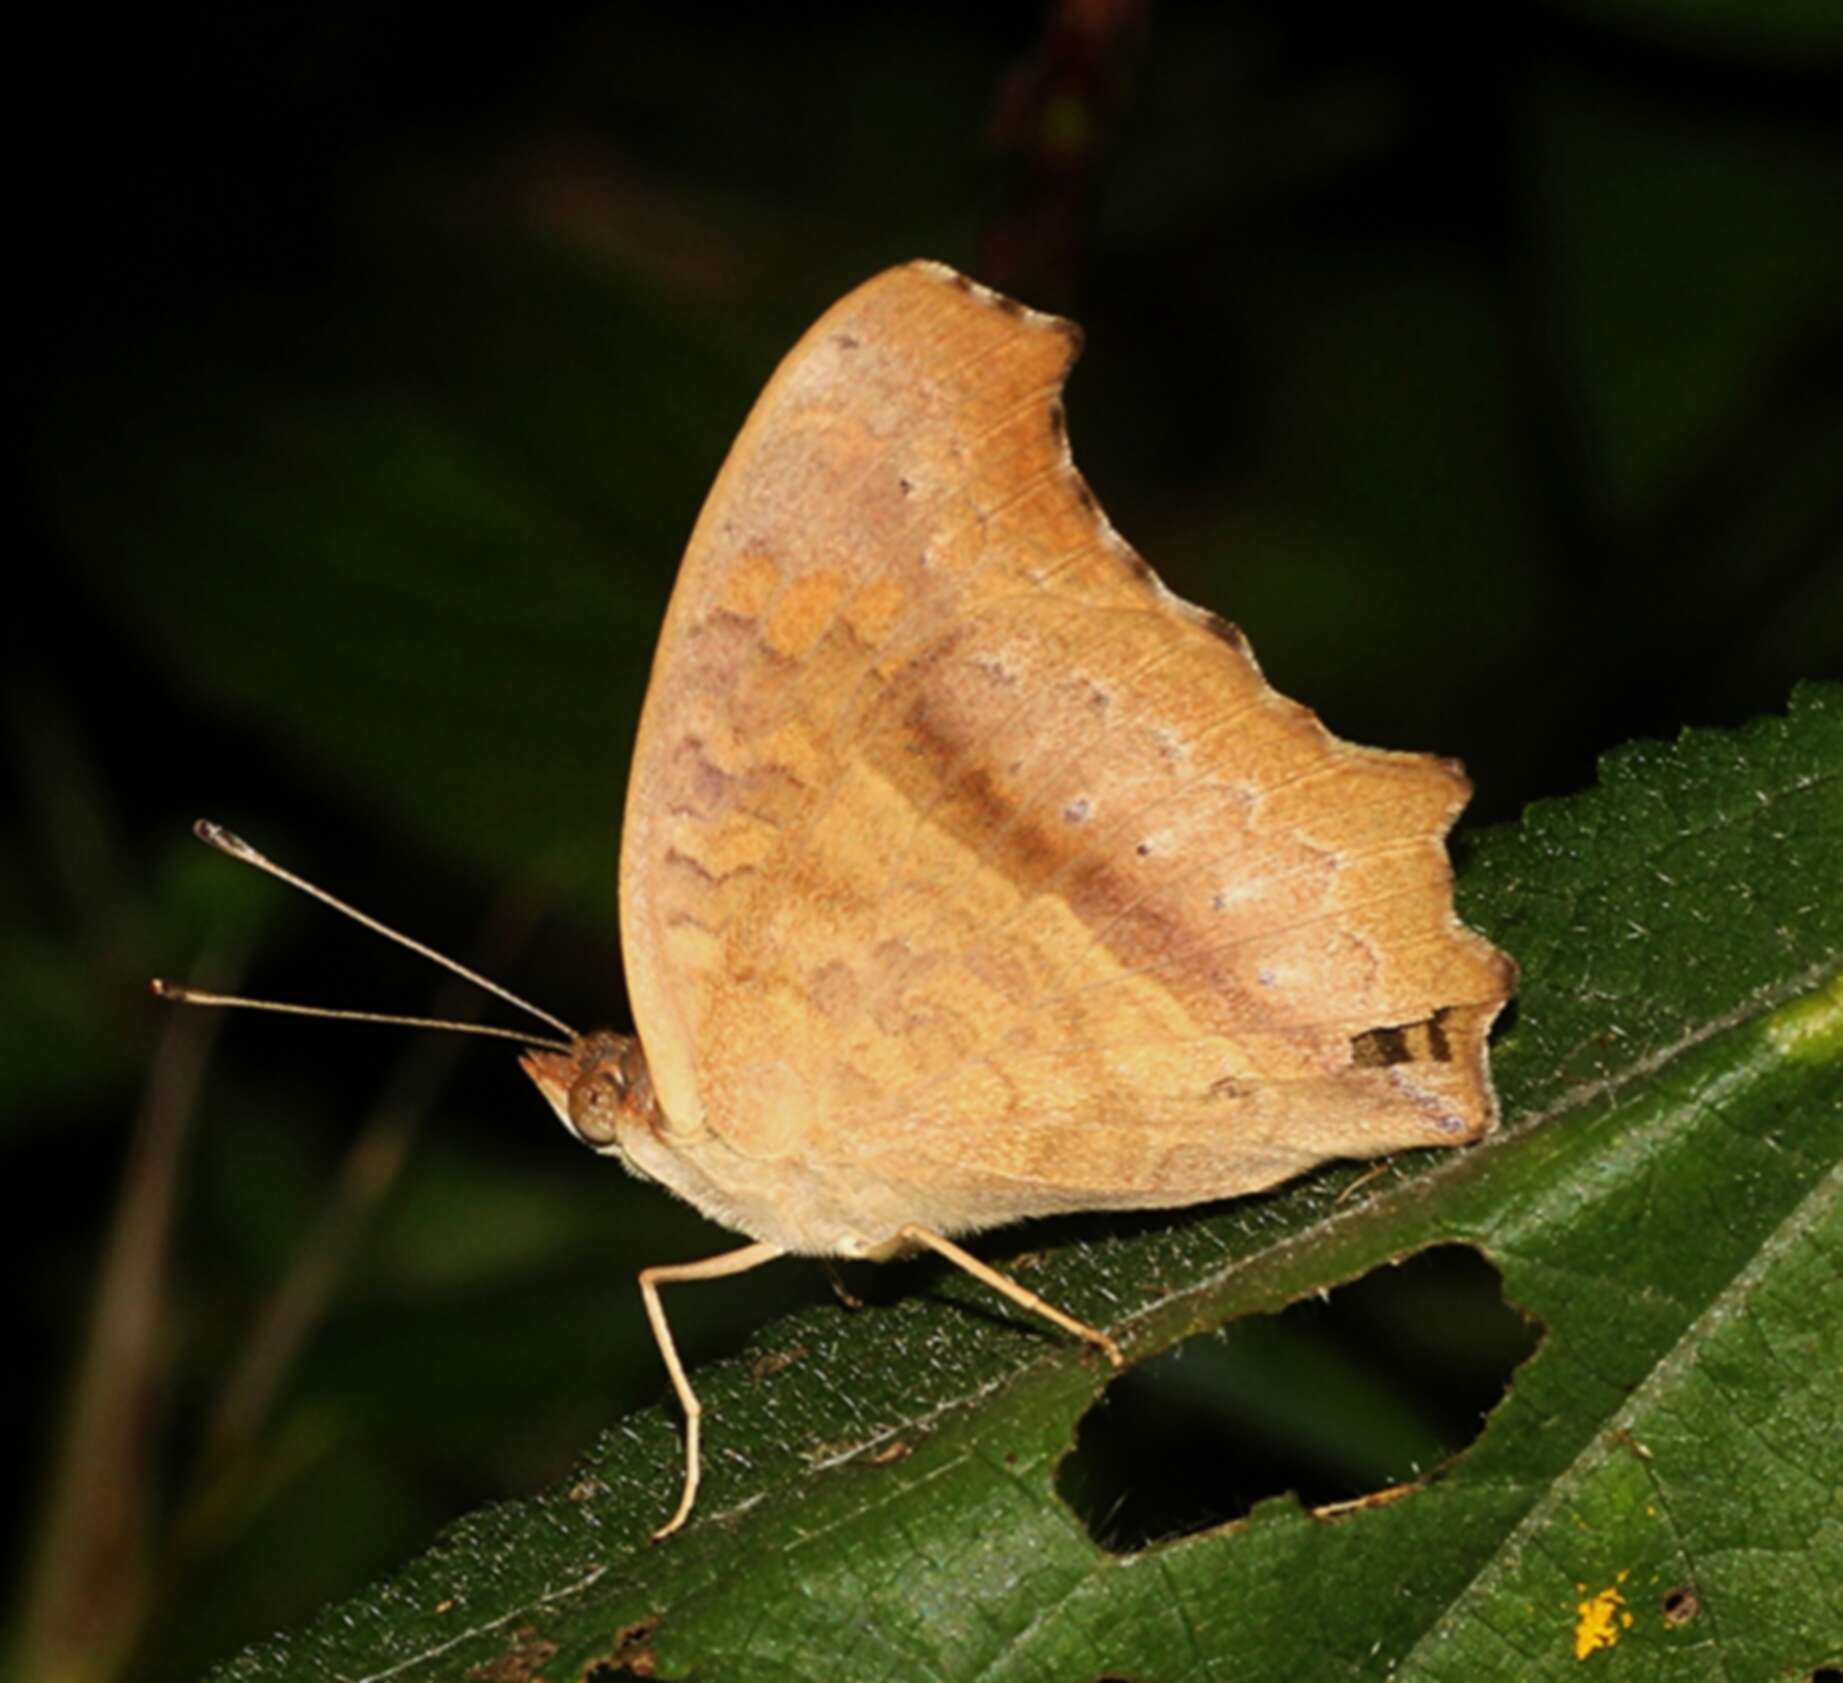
<point x="964" y="859"/>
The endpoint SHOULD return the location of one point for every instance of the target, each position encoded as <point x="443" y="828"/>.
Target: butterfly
<point x="967" y="874"/>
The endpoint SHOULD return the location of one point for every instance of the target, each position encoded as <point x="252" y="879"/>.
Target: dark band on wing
<point x="1407" y="1043"/>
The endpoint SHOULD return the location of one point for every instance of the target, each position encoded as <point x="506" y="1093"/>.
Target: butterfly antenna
<point x="229" y="842"/>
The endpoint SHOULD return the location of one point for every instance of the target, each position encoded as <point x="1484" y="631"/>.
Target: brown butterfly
<point x="969" y="875"/>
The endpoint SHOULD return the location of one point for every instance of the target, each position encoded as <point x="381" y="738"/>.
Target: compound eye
<point x="595" y="1107"/>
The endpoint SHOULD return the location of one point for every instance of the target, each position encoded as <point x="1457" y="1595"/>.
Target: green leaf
<point x="1665" y="1199"/>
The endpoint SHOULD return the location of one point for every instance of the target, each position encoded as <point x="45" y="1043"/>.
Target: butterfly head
<point x="599" y="1089"/>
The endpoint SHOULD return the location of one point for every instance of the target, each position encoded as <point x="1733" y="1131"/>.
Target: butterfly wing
<point x="968" y="874"/>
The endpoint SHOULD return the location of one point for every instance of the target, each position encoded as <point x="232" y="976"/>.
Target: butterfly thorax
<point x="602" y="1092"/>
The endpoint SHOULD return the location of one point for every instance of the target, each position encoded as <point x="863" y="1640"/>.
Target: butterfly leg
<point x="843" y="1292"/>
<point x="675" y="1273"/>
<point x="1020" y="1295"/>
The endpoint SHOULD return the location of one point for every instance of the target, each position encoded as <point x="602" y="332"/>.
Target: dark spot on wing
<point x="1424" y="1042"/>
<point x="1227" y="630"/>
<point x="1378" y="1048"/>
<point x="1141" y="568"/>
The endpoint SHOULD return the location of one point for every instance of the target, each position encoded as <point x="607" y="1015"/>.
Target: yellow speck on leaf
<point x="1599" y="1620"/>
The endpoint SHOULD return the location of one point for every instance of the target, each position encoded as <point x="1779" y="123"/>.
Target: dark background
<point x="375" y="363"/>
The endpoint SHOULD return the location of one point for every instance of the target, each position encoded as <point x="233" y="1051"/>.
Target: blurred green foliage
<point x="375" y="365"/>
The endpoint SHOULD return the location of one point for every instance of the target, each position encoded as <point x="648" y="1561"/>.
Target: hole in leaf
<point x="1827" y="1674"/>
<point x="1679" y="1606"/>
<point x="1333" y="1399"/>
